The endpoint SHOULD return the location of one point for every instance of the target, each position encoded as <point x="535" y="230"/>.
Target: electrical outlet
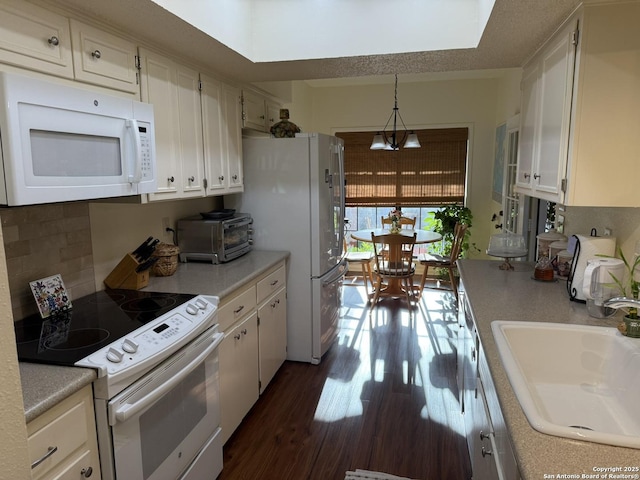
<point x="166" y="225"/>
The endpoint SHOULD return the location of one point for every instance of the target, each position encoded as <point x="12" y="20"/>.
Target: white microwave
<point x="60" y="143"/>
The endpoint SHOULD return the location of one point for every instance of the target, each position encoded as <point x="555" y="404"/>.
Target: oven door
<point x="236" y="238"/>
<point x="161" y="424"/>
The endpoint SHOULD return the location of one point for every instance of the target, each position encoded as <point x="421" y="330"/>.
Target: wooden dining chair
<point x="405" y="222"/>
<point x="363" y="259"/>
<point x="428" y="260"/>
<point x="394" y="264"/>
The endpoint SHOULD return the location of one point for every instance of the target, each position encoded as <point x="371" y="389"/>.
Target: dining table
<point x="394" y="287"/>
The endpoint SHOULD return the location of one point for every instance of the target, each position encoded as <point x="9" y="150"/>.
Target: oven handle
<point x="128" y="410"/>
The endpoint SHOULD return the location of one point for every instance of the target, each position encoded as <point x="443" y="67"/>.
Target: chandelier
<point x="392" y="140"/>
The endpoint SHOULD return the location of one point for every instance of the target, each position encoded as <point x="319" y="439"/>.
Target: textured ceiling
<point x="515" y="30"/>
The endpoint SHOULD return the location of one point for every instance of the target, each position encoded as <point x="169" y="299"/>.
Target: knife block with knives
<point x="132" y="273"/>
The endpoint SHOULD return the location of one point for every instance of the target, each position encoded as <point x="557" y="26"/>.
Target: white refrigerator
<point x="294" y="190"/>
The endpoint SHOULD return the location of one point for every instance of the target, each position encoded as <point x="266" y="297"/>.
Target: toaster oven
<point x="214" y="240"/>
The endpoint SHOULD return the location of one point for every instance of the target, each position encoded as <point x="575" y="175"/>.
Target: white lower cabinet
<point x="488" y="439"/>
<point x="272" y="318"/>
<point x="238" y="373"/>
<point x="62" y="441"/>
<point x="254" y="322"/>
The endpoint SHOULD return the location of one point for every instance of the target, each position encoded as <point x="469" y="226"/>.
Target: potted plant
<point x="444" y="222"/>
<point x="630" y="288"/>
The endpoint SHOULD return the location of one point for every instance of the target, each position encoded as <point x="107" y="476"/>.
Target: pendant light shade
<point x="412" y="141"/>
<point x="393" y="140"/>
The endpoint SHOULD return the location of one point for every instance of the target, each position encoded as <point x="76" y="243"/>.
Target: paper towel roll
<point x="590" y="248"/>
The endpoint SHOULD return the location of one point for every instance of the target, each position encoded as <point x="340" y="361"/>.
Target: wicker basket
<point x="167" y="263"/>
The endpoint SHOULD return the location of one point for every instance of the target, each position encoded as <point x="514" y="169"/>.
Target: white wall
<point x="474" y="103"/>
<point x="117" y="229"/>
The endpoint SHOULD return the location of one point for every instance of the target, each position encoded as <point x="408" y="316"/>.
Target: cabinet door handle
<point x="96" y="54"/>
<point x="484" y="436"/>
<point x="237" y="336"/>
<point x="191" y="179"/>
<point x="536" y="176"/>
<point x="221" y="178"/>
<point x="86" y="472"/>
<point x="50" y="451"/>
<point x="486" y="452"/>
<point x="54" y="41"/>
<point x="171" y="179"/>
<point x="235" y="178"/>
<point x="526" y="176"/>
<point x="244" y="331"/>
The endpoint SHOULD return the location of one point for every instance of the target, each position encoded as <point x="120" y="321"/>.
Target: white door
<point x="327" y="202"/>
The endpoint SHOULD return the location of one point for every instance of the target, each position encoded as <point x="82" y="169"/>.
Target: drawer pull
<point x="53" y="41"/>
<point x="486" y="452"/>
<point x="86" y="472"/>
<point x="238" y="310"/>
<point x="484" y="435"/>
<point x="50" y="451"/>
<point x="274" y="283"/>
<point x="96" y="54"/>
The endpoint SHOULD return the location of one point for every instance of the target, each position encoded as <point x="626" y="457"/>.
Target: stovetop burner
<point x="94" y="321"/>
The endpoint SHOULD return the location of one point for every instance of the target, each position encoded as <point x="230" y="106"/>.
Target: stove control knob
<point x="114" y="355"/>
<point x="201" y="304"/>
<point x="129" y="346"/>
<point x="192" y="310"/>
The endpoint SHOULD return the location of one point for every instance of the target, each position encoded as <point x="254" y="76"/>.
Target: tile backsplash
<point x="44" y="240"/>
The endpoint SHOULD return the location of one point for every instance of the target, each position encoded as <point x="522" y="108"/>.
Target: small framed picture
<point x="51" y="295"/>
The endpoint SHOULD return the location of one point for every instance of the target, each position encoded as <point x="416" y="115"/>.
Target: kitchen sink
<point x="574" y="381"/>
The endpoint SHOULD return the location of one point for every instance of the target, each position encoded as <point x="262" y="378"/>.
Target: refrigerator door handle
<point x="335" y="274"/>
<point x="342" y="185"/>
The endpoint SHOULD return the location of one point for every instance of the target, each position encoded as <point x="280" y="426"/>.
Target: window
<point x="429" y="176"/>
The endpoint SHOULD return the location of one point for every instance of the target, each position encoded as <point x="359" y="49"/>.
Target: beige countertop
<point x="43" y="386"/>
<point x="495" y="294"/>
<point x="207" y="279"/>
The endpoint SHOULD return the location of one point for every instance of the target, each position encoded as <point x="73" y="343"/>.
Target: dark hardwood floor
<point x="384" y="398"/>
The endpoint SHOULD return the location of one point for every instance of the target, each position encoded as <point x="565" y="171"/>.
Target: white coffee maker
<point x="601" y="278"/>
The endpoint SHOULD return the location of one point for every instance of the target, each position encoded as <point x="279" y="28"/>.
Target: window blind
<point x="432" y="175"/>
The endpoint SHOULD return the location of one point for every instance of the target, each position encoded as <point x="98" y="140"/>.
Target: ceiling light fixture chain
<point x="389" y="141"/>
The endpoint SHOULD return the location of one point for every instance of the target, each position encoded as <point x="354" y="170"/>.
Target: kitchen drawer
<point x="271" y="283"/>
<point x="236" y="308"/>
<point x="68" y="427"/>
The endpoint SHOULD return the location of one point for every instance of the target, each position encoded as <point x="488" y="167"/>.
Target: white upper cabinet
<point x="173" y="91"/>
<point x="222" y="125"/>
<point x="198" y="130"/>
<point x="579" y="138"/>
<point x="233" y="130"/>
<point x="104" y="59"/>
<point x="258" y="112"/>
<point x="34" y="38"/>
<point x="254" y="111"/>
<point x="547" y="85"/>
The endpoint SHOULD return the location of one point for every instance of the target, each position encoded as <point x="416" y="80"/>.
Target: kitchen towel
<point x="590" y="248"/>
<point x="367" y="475"/>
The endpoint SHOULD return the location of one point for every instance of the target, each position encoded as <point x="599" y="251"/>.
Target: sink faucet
<point x="621" y="302"/>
